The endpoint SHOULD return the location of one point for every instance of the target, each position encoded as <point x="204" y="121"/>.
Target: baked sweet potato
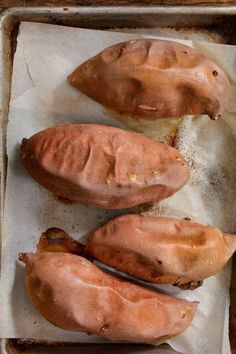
<point x="162" y="250"/>
<point x="74" y="294"/>
<point x="103" y="166"/>
<point x="154" y="79"/>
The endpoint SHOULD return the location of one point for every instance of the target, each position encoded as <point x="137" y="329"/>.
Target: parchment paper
<point x="41" y="97"/>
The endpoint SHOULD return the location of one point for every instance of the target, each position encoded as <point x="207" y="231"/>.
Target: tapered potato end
<point x="57" y="240"/>
<point x="230" y="241"/>
<point x="26" y="257"/>
<point x="185" y="315"/>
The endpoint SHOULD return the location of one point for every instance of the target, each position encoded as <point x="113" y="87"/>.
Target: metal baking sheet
<point x="216" y="24"/>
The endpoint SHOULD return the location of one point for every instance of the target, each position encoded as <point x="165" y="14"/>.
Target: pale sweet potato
<point x="154" y="79"/>
<point x="162" y="250"/>
<point x="103" y="166"/>
<point x="74" y="294"/>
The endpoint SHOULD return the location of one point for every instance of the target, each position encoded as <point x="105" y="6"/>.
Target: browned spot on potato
<point x="189" y="307"/>
<point x="121" y="51"/>
<point x="24" y="140"/>
<point x="109" y="181"/>
<point x="63" y="200"/>
<point x="172" y="137"/>
<point x="22" y="257"/>
<point x="191" y="285"/>
<point x="57" y="240"/>
<point x="133" y="177"/>
<point x="104" y="328"/>
<point x="177" y="282"/>
<point x="215" y="73"/>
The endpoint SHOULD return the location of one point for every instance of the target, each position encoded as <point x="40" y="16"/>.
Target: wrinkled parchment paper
<point x="41" y="97"/>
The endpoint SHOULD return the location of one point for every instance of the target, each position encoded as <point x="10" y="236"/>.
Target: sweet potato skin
<point x="74" y="294"/>
<point x="162" y="250"/>
<point x="103" y="166"/>
<point x="154" y="79"/>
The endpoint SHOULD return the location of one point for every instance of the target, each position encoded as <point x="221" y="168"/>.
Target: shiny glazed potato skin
<point x="74" y="294"/>
<point x="103" y="166"/>
<point x="154" y="79"/>
<point x="162" y="250"/>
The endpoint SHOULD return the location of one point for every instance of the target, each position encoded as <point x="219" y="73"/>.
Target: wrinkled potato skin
<point x="153" y="79"/>
<point x="74" y="294"/>
<point x="162" y="250"/>
<point x="103" y="166"/>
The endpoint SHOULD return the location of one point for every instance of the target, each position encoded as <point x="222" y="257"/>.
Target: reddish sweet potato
<point x="162" y="250"/>
<point x="154" y="79"/>
<point x="74" y="294"/>
<point x="103" y="166"/>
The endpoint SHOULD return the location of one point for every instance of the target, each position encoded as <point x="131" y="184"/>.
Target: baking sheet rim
<point x="14" y="14"/>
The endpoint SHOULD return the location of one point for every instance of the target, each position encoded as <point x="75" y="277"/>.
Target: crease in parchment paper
<point x="51" y="53"/>
<point x="28" y="68"/>
<point x="22" y="73"/>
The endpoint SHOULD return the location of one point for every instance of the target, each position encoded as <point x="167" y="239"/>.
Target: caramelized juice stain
<point x="163" y="129"/>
